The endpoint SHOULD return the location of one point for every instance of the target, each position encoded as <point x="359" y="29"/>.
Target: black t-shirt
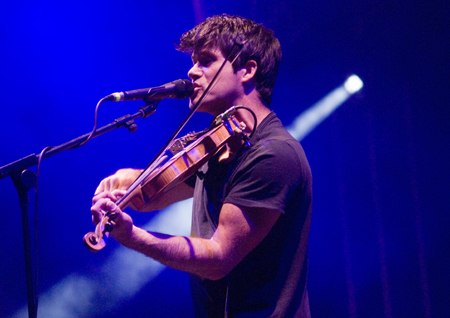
<point x="271" y="280"/>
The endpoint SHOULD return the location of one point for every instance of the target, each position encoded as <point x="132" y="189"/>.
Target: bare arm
<point x="237" y="234"/>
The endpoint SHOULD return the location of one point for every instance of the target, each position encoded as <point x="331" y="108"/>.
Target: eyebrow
<point x="203" y="54"/>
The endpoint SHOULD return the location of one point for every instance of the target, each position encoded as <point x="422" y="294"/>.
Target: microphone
<point x="177" y="89"/>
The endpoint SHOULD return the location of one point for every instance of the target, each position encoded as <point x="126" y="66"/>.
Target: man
<point x="247" y="254"/>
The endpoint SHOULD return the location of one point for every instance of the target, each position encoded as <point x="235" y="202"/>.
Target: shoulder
<point x="275" y="156"/>
<point x="277" y="160"/>
<point x="272" y="140"/>
<point x="271" y="172"/>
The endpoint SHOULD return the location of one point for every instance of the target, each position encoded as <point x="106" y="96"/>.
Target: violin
<point x="165" y="174"/>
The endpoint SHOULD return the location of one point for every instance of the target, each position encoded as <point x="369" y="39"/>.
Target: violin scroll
<point x="95" y="241"/>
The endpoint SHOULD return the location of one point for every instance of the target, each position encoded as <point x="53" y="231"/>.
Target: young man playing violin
<point x="247" y="255"/>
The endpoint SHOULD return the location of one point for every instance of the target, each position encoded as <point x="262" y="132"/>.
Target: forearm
<point x="236" y="235"/>
<point x="193" y="255"/>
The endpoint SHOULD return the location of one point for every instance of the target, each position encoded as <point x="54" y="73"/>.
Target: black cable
<point x="94" y="130"/>
<point x="36" y="236"/>
<point x="255" y="121"/>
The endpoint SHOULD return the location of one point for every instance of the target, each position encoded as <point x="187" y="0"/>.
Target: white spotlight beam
<point x="123" y="275"/>
<point x="313" y="116"/>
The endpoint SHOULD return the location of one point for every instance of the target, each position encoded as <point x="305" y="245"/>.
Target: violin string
<point x="142" y="177"/>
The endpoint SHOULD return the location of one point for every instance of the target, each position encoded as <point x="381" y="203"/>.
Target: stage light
<point x="317" y="113"/>
<point x="353" y="84"/>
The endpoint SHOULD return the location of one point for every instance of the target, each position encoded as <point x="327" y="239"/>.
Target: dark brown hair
<point x="224" y="32"/>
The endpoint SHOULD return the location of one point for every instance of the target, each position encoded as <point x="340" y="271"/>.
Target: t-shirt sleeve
<point x="269" y="177"/>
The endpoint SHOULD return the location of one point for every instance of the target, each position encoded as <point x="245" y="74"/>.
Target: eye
<point x="206" y="58"/>
<point x="205" y="61"/>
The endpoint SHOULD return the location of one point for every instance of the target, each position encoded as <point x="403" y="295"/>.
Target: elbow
<point x="217" y="275"/>
<point x="219" y="263"/>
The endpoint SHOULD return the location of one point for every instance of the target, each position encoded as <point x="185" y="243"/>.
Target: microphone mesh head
<point x="184" y="88"/>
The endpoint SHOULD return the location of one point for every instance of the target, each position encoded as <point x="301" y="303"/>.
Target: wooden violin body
<point x="155" y="182"/>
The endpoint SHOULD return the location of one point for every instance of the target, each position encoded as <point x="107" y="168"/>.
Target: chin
<point x="209" y="106"/>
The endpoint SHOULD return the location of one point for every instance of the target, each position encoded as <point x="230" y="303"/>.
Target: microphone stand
<point x="24" y="180"/>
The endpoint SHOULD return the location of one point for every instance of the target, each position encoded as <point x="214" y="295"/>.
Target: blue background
<point x="379" y="243"/>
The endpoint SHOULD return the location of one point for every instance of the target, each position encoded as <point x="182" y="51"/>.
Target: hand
<point x="121" y="180"/>
<point x="115" y="185"/>
<point x="122" y="223"/>
<point x="96" y="210"/>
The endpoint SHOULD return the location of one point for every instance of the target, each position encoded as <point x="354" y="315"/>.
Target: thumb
<point x="112" y="207"/>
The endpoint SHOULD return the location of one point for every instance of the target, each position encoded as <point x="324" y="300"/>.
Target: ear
<point x="249" y="71"/>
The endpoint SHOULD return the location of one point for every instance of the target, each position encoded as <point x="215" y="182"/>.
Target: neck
<point x="259" y="109"/>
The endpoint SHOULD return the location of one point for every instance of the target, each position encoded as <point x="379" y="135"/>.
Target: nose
<point x="195" y="72"/>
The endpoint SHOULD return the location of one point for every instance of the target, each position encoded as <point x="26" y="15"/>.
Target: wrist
<point x="129" y="238"/>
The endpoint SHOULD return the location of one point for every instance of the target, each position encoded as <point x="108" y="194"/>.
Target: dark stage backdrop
<point x="380" y="242"/>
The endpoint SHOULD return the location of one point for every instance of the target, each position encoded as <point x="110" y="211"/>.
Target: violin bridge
<point x="176" y="147"/>
<point x="179" y="144"/>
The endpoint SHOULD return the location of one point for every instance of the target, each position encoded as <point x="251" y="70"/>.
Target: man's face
<point x="227" y="90"/>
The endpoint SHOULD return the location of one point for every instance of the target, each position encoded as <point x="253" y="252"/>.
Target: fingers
<point x="122" y="180"/>
<point x="108" y="184"/>
<point x="110" y="190"/>
<point x="122" y="223"/>
<point x="103" y="195"/>
<point x="118" y="193"/>
<point x="113" y="196"/>
<point x="97" y="210"/>
<point x="102" y="206"/>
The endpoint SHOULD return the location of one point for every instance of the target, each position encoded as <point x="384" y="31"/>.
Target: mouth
<point x="197" y="88"/>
